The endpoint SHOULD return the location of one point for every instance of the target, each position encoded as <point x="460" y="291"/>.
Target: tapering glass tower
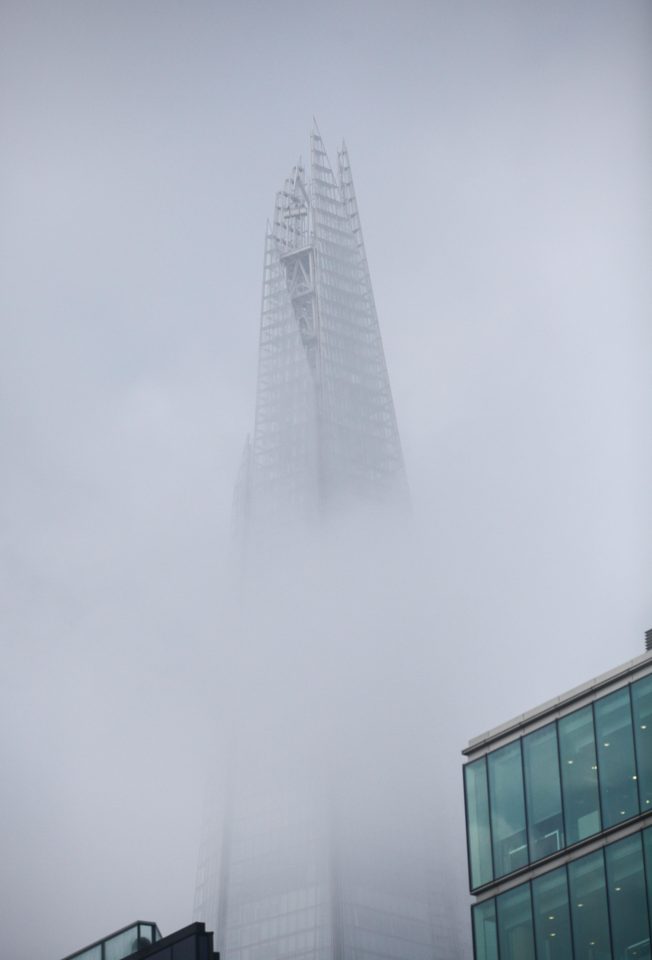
<point x="286" y="870"/>
<point x="325" y="428"/>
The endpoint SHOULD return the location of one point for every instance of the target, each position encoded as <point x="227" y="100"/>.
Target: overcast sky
<point x="501" y="153"/>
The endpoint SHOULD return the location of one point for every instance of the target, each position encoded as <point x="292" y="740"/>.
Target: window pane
<point x="642" y="709"/>
<point x="647" y="848"/>
<point x="630" y="928"/>
<point x="589" y="907"/>
<point x="552" y="916"/>
<point x="616" y="766"/>
<point x="579" y="775"/>
<point x="93" y="953"/>
<point x="122" y="944"/>
<point x="477" y="827"/>
<point x="543" y="792"/>
<point x="515" y="933"/>
<point x="484" y="931"/>
<point x="507" y="809"/>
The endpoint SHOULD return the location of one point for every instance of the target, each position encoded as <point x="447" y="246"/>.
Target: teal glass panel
<point x="477" y="822"/>
<point x="122" y="944"/>
<point x="507" y="804"/>
<point x="628" y="908"/>
<point x="147" y="932"/>
<point x="551" y="908"/>
<point x="515" y="930"/>
<point x="616" y="762"/>
<point x="579" y="775"/>
<point x="543" y="792"/>
<point x="647" y="851"/>
<point x="93" y="953"/>
<point x="485" y="935"/>
<point x="589" y="912"/>
<point x="642" y="710"/>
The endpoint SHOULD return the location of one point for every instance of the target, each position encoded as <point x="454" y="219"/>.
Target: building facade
<point x="559" y="825"/>
<point x="325" y="430"/>
<point x="284" y="871"/>
<point x="143" y="941"/>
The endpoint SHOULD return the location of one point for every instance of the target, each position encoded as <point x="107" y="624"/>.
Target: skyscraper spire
<point x="325" y="428"/>
<point x="293" y="873"/>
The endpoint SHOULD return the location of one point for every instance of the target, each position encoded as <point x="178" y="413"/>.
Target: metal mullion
<point x="606" y="886"/>
<point x="638" y="779"/>
<point x="534" y="931"/>
<point x="648" y="890"/>
<point x="472" y="909"/>
<point x="562" y="792"/>
<point x="466" y="823"/>
<point x="498" y="956"/>
<point x="491" y="829"/>
<point x="597" y="770"/>
<point x="570" y="905"/>
<point x="527" y="819"/>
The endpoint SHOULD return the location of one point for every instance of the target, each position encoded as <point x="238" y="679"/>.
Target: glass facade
<point x="485" y="934"/>
<point x="120" y="944"/>
<point x="597" y="907"/>
<point x="579" y="775"/>
<point x="515" y="930"/>
<point x="507" y="809"/>
<point x="543" y="791"/>
<point x="561" y="784"/>
<point x="630" y="923"/>
<point x="642" y="714"/>
<point x="616" y="761"/>
<point x="479" y="834"/>
<point x="551" y="909"/>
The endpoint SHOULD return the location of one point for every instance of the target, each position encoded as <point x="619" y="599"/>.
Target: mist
<point x="501" y="155"/>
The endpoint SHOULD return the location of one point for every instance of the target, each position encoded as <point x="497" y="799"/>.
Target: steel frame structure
<point x="325" y="428"/>
<point x="275" y="873"/>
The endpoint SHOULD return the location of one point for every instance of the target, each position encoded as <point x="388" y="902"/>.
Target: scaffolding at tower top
<point x="325" y="429"/>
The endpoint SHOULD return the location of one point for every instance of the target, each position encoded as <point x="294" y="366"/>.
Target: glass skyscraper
<point x="286" y="871"/>
<point x="559" y="826"/>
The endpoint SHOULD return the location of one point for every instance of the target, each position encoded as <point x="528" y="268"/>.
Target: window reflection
<point x="543" y="792"/>
<point x="630" y="930"/>
<point x="507" y="809"/>
<point x="477" y="806"/>
<point x="552" y="916"/>
<point x="561" y="784"/>
<point x="642" y="712"/>
<point x="579" y="773"/>
<point x="589" y="910"/>
<point x="484" y="931"/>
<point x="647" y="857"/>
<point x="618" y="788"/>
<point x="515" y="932"/>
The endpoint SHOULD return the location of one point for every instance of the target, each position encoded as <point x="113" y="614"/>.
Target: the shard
<point x="290" y="866"/>
<point x="325" y="430"/>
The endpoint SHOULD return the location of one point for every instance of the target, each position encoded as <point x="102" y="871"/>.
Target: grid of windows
<point x="597" y="907"/>
<point x="560" y="784"/>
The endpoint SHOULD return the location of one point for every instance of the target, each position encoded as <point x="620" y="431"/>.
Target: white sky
<point x="501" y="153"/>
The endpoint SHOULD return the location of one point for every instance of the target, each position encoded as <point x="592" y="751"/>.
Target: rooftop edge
<point x="549" y="706"/>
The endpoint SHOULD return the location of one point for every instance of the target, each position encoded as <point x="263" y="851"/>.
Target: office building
<point x="143" y="941"/>
<point x="559" y="825"/>
<point x="286" y="872"/>
<point x="325" y="429"/>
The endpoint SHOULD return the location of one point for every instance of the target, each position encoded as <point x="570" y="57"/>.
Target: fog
<point x="501" y="154"/>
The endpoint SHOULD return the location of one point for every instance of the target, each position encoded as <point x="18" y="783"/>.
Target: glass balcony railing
<point x="121" y="944"/>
